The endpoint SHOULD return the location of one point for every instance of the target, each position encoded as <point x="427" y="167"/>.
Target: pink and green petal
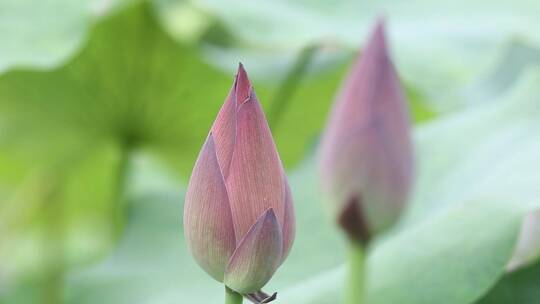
<point x="375" y="178"/>
<point x="208" y="224"/>
<point x="255" y="182"/>
<point x="257" y="257"/>
<point x="288" y="222"/>
<point x="224" y="131"/>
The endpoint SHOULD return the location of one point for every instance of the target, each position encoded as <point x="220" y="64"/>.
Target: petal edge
<point x="257" y="256"/>
<point x="208" y="224"/>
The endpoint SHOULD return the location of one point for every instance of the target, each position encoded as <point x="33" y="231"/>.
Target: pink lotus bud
<point x="366" y="154"/>
<point x="238" y="215"/>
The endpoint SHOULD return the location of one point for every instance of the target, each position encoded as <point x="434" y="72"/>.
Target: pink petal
<point x="243" y="86"/>
<point x="375" y="178"/>
<point x="224" y="131"/>
<point x="289" y="222"/>
<point x="224" y="127"/>
<point x="208" y="224"/>
<point x="257" y="257"/>
<point x="255" y="182"/>
<point x="366" y="151"/>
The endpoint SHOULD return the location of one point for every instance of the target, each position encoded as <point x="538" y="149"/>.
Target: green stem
<point x="355" y="287"/>
<point x="290" y="84"/>
<point x="232" y="297"/>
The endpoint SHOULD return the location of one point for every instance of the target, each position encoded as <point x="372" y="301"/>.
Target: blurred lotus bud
<point x="528" y="246"/>
<point x="366" y="153"/>
<point x="238" y="214"/>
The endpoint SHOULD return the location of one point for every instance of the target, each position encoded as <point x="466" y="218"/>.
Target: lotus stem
<point x="356" y="268"/>
<point x="232" y="297"/>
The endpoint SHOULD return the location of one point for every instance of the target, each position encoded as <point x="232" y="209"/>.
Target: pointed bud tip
<point x="241" y="67"/>
<point x="378" y="34"/>
<point x="243" y="85"/>
<point x="380" y="24"/>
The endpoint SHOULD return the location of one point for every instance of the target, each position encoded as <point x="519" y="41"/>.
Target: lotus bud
<point x="238" y="213"/>
<point x="366" y="157"/>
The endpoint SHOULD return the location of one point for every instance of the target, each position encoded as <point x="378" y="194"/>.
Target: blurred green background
<point x="104" y="106"/>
